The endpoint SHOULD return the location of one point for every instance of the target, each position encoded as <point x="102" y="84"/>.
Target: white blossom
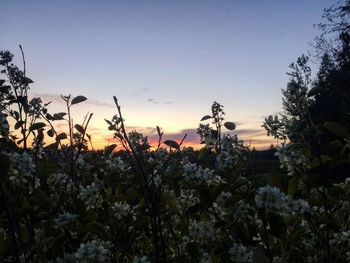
<point x="269" y="197"/>
<point x="240" y="253"/>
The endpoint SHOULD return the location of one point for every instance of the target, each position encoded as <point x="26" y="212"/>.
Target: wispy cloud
<point x="157" y="102"/>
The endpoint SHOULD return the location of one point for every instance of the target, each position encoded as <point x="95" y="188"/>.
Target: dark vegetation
<point x="224" y="203"/>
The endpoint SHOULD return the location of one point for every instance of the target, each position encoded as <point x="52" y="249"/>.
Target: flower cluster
<point x="22" y="171"/>
<point x="240" y="253"/>
<point x="292" y="159"/>
<point x="269" y="198"/>
<point x="195" y="173"/>
<point x="122" y="210"/>
<point x="91" y="196"/>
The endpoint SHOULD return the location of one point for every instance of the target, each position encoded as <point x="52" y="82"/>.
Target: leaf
<point x="277" y="226"/>
<point x="206" y="117"/>
<point x="78" y="99"/>
<point x="2" y="81"/>
<point x="36" y="126"/>
<point x="115" y="100"/>
<point x="16" y="114"/>
<point x="109" y="122"/>
<point x="259" y="255"/>
<point x="172" y="144"/>
<point x="49" y="117"/>
<point x="27" y="80"/>
<point x="58" y="116"/>
<point x="51" y="132"/>
<point x="61" y="136"/>
<point x="110" y="148"/>
<point x="79" y="128"/>
<point x="18" y="124"/>
<point x="230" y="125"/>
<point x="293" y="185"/>
<point x="158" y="131"/>
<point x="336" y="129"/>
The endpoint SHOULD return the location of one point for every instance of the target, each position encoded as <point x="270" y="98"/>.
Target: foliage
<point x="63" y="203"/>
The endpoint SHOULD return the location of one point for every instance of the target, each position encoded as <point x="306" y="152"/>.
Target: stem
<point x="267" y="241"/>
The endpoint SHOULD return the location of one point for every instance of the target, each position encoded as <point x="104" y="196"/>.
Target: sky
<point x="166" y="61"/>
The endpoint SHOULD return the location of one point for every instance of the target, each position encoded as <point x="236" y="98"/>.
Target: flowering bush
<point x="63" y="203"/>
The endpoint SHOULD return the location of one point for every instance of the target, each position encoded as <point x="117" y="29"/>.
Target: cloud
<point x="250" y="132"/>
<point x="152" y="101"/>
<point x="157" y="102"/>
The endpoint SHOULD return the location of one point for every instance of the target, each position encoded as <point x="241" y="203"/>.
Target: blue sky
<point x="166" y="61"/>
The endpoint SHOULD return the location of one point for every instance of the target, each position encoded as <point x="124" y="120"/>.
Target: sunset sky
<point x="166" y="61"/>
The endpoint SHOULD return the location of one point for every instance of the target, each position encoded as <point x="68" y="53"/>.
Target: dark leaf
<point x="109" y="122"/>
<point x="206" y="117"/>
<point x="2" y="81"/>
<point x="61" y="136"/>
<point x="19" y="124"/>
<point x="158" y="131"/>
<point x="336" y="129"/>
<point x="78" y="99"/>
<point x="79" y="128"/>
<point x="49" y="117"/>
<point x="293" y="185"/>
<point x="36" y="126"/>
<point x="16" y="114"/>
<point x="27" y="80"/>
<point x="115" y="100"/>
<point x="51" y="132"/>
<point x="58" y="116"/>
<point x="110" y="148"/>
<point x="230" y="125"/>
<point x="172" y="144"/>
